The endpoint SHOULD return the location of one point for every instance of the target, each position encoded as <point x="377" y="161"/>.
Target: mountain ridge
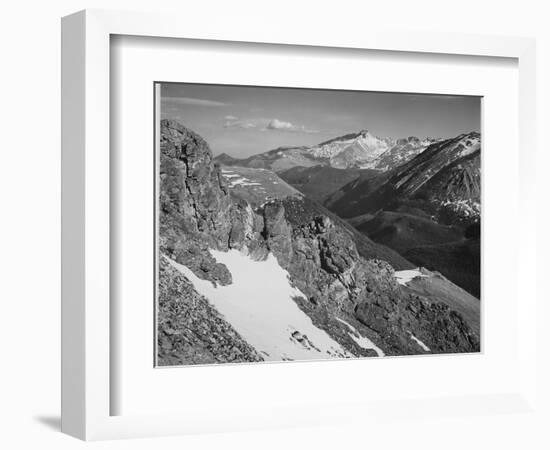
<point x="359" y="150"/>
<point x="446" y="176"/>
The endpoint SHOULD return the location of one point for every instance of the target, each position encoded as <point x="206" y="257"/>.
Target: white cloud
<point x="277" y="124"/>
<point x="192" y="101"/>
<point x="282" y="125"/>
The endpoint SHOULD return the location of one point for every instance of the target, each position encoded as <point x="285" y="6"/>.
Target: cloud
<point x="192" y="101"/>
<point x="277" y="124"/>
<point x="265" y="125"/>
<point x="283" y="125"/>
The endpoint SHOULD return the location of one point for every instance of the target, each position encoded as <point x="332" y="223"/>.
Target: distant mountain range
<point x="360" y="150"/>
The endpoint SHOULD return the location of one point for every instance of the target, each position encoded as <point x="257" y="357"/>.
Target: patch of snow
<point x="267" y="201"/>
<point x="403" y="180"/>
<point x="470" y="145"/>
<point x="404" y="276"/>
<point x="235" y="179"/>
<point x="245" y="183"/>
<point x="259" y="305"/>
<point x="241" y="181"/>
<point x="361" y="341"/>
<point x="465" y="208"/>
<point x="419" y="342"/>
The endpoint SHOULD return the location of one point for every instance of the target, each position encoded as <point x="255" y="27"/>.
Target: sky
<point x="246" y="120"/>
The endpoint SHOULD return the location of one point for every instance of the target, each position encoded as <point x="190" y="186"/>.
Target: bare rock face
<point x="247" y="230"/>
<point x="277" y="232"/>
<point x="193" y="194"/>
<point x="195" y="205"/>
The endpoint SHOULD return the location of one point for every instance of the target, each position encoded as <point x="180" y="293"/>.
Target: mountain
<point x="252" y="270"/>
<point x="360" y="150"/>
<point x="443" y="181"/>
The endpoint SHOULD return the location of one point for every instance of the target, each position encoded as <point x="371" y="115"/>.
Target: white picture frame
<point x="86" y="247"/>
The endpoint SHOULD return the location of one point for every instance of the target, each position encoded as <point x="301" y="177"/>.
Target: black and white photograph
<point x="261" y="226"/>
<point x="304" y="224"/>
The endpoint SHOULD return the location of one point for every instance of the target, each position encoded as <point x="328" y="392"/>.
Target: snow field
<point x="259" y="305"/>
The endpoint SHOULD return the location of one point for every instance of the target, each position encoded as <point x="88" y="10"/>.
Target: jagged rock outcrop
<point x="196" y="209"/>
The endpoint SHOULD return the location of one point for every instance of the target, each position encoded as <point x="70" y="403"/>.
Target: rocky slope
<point x="360" y="150"/>
<point x="346" y="290"/>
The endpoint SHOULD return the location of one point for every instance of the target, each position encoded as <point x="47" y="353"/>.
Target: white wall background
<point x="29" y="234"/>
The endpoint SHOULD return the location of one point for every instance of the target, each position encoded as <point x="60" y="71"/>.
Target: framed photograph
<point x="250" y="215"/>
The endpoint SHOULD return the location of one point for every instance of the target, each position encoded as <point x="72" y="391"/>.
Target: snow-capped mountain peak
<point x="351" y="150"/>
